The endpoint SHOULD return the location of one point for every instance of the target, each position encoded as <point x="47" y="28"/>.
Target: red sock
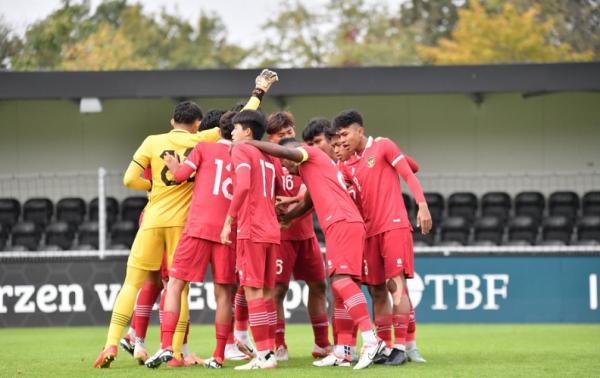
<point x="354" y="335"/>
<point x="241" y="310"/>
<point x="221" y="333"/>
<point x="280" y="333"/>
<point x="161" y="311"/>
<point x="273" y="322"/>
<point x="259" y="323"/>
<point x="412" y="325"/>
<point x="400" y="322"/>
<point x="320" y="326"/>
<point x="383" y="323"/>
<point x="187" y="332"/>
<point x="354" y="301"/>
<point x="168" y="329"/>
<point x="230" y="334"/>
<point x="343" y="322"/>
<point x="143" y="307"/>
<point x="334" y="327"/>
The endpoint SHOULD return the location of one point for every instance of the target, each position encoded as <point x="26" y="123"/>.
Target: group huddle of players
<point x="223" y="197"/>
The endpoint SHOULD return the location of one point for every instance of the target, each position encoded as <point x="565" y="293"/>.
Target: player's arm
<point x="141" y="160"/>
<point x="262" y="84"/>
<point x="298" y="154"/>
<point x="423" y="216"/>
<point x="182" y="172"/>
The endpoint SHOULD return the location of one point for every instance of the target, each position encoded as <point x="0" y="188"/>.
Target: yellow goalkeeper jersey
<point x="169" y="202"/>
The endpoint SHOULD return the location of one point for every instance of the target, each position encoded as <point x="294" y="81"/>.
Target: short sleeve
<point x="143" y="155"/>
<point x="194" y="158"/>
<point x="391" y="152"/>
<point x="240" y="158"/>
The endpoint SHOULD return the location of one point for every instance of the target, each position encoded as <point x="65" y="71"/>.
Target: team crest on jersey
<point x="371" y="161"/>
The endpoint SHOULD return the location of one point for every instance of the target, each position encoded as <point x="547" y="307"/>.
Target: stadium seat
<point x="117" y="247"/>
<point x="449" y="243"/>
<point x="3" y="237"/>
<point x="455" y="228"/>
<point x="50" y="247"/>
<point x="591" y="203"/>
<point x="26" y="234"/>
<point x="38" y="210"/>
<point x="60" y="233"/>
<point x="530" y="203"/>
<point x="10" y="210"/>
<point x="84" y="247"/>
<point x="489" y="228"/>
<point x="88" y="234"/>
<point x="411" y="206"/>
<point x="552" y="243"/>
<point x="70" y="210"/>
<point x="588" y="228"/>
<point x="423" y="240"/>
<point x="132" y="207"/>
<point x="420" y="243"/>
<point x="462" y="204"/>
<point x="564" y="203"/>
<point x="557" y="227"/>
<point x="123" y="232"/>
<point x="16" y="248"/>
<point x="483" y="243"/>
<point x="112" y="210"/>
<point x="435" y="202"/>
<point x="497" y="204"/>
<point x="523" y="228"/>
<point x="517" y="243"/>
<point x="586" y="243"/>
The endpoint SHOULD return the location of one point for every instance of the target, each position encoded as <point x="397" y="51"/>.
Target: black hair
<point x="226" y="124"/>
<point x="286" y="141"/>
<point x="211" y="119"/>
<point x="315" y="126"/>
<point x="347" y="118"/>
<point x="278" y="121"/>
<point x="329" y="132"/>
<point x="252" y="119"/>
<point x="187" y="112"/>
<point x="238" y="106"/>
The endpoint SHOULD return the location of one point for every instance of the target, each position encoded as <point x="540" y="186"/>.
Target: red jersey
<point x="347" y="169"/>
<point x="253" y="203"/>
<point x="375" y="172"/>
<point x="327" y="188"/>
<point x="213" y="188"/>
<point x="301" y="228"/>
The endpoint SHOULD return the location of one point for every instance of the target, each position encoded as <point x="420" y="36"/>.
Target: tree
<point x="429" y="20"/>
<point x="8" y="45"/>
<point x="507" y="37"/>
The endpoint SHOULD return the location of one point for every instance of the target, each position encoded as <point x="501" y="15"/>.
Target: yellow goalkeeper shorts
<point x="151" y="244"/>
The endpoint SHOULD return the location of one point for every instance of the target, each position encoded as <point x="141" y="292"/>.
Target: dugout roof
<point x="529" y="79"/>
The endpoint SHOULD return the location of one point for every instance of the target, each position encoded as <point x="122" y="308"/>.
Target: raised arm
<point x="276" y="150"/>
<point x="262" y="84"/>
<point x="133" y="178"/>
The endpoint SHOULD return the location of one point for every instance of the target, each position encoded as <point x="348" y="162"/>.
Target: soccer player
<point x="164" y="215"/>
<point x="299" y="252"/>
<point x="200" y="243"/>
<point x="344" y="231"/>
<point x="389" y="257"/>
<point x="258" y="235"/>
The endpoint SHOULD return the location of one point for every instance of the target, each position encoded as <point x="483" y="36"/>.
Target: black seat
<point x="483" y="243"/>
<point x="455" y="228"/>
<point x="462" y="204"/>
<point x="524" y="228"/>
<point x="10" y="210"/>
<point x="586" y="243"/>
<point x="410" y="204"/>
<point x="517" y="243"/>
<point x="3" y="237"/>
<point x="38" y="210"/>
<point x="132" y="207"/>
<point x="123" y="232"/>
<point x="112" y="210"/>
<point x="449" y="243"/>
<point x="591" y="203"/>
<point x="557" y="227"/>
<point x="530" y="203"/>
<point x="118" y="247"/>
<point x="564" y="203"/>
<point x="84" y="247"/>
<point x="88" y="233"/>
<point x="435" y="203"/>
<point x="552" y="243"/>
<point x="50" y="247"/>
<point x="497" y="204"/>
<point x="60" y="233"/>
<point x="420" y="243"/>
<point x="489" y="228"/>
<point x="588" y="228"/>
<point x="16" y="248"/>
<point x="71" y="210"/>
<point x="26" y="234"/>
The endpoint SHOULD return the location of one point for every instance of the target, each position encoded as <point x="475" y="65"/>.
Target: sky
<point x="241" y="17"/>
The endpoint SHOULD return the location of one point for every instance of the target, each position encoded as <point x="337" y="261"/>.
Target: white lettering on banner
<point x="24" y="293"/>
<point x="107" y="300"/>
<point x="415" y="289"/>
<point x="9" y="292"/>
<point x="195" y="299"/>
<point x="292" y="299"/>
<point x="210" y="296"/>
<point x="438" y="282"/>
<point x="593" y="292"/>
<point x="65" y="303"/>
<point x="462" y="290"/>
<point x="493" y="291"/>
<point x="45" y="297"/>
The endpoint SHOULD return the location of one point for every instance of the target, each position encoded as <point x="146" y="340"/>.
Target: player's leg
<point x="286" y="259"/>
<point x="343" y="326"/>
<point x="143" y="310"/>
<point x="412" y="352"/>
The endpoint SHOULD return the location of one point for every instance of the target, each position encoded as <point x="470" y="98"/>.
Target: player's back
<point x="168" y="201"/>
<point x="213" y="189"/>
<point x="257" y="220"/>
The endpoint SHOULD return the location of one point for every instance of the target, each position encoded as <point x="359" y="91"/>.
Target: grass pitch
<point x="451" y="351"/>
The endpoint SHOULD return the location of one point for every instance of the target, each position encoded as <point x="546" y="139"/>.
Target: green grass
<point x="451" y="351"/>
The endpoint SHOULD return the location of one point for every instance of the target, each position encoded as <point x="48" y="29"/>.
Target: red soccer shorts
<point x="388" y="254"/>
<point x="256" y="263"/>
<point x="193" y="255"/>
<point x="303" y="257"/>
<point x="344" y="244"/>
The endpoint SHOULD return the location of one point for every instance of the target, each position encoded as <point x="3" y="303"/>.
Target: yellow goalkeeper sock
<point x="184" y="316"/>
<point x="124" y="304"/>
